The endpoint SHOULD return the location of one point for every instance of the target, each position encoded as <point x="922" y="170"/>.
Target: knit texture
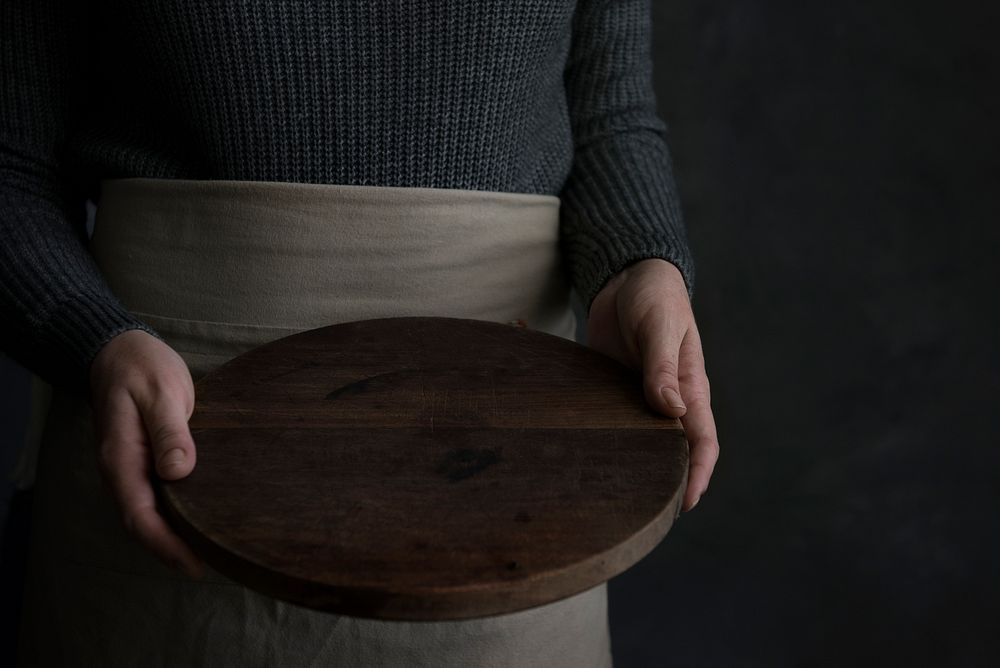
<point x="530" y="96"/>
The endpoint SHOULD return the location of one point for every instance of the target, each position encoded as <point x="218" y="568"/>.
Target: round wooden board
<point x="426" y="469"/>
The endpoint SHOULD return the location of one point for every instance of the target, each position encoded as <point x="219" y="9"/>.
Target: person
<point x="195" y="127"/>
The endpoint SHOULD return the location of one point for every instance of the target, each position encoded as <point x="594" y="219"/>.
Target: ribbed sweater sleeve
<point x="532" y="96"/>
<point x="58" y="310"/>
<point x="619" y="204"/>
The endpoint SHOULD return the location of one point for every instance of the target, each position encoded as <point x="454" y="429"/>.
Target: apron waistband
<point x="218" y="267"/>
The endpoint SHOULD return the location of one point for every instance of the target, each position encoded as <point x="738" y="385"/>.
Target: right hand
<point x="143" y="396"/>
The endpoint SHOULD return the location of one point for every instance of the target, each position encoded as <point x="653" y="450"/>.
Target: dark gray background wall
<point x="837" y="163"/>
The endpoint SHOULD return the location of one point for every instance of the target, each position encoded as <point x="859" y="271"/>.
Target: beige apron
<point x="220" y="267"/>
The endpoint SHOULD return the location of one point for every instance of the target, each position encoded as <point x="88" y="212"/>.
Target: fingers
<point x="698" y="422"/>
<point x="675" y="383"/>
<point x="137" y="433"/>
<point x="646" y="319"/>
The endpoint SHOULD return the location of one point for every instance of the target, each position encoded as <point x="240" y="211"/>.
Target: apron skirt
<point x="217" y="268"/>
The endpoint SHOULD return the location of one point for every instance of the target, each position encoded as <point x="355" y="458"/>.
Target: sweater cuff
<point x="620" y="206"/>
<point x="78" y="327"/>
<point x="597" y="265"/>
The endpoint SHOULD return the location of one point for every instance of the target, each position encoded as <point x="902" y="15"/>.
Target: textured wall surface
<point x="838" y="165"/>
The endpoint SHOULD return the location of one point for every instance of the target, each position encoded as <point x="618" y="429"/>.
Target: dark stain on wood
<point x="376" y="382"/>
<point x="467" y="462"/>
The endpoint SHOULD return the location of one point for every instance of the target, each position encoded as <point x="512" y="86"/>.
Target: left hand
<point x="643" y="319"/>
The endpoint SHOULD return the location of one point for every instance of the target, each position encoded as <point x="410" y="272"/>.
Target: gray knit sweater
<point x="530" y="96"/>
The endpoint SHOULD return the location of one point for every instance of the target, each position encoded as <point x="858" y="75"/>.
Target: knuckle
<point x="153" y="390"/>
<point x="164" y="433"/>
<point x="697" y="394"/>
<point x="645" y="305"/>
<point x="150" y="390"/>
<point x="665" y="367"/>
<point x="713" y="449"/>
<point x="169" y="387"/>
<point x="693" y="370"/>
<point x="125" y="378"/>
<point x="707" y="453"/>
<point x="645" y="318"/>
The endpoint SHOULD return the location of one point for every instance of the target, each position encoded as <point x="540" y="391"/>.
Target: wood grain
<point x="426" y="468"/>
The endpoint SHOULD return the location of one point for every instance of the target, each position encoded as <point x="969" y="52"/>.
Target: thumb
<point x="165" y="417"/>
<point x="659" y="348"/>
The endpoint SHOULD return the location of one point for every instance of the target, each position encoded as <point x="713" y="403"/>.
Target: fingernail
<point x="672" y="397"/>
<point x="173" y="458"/>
